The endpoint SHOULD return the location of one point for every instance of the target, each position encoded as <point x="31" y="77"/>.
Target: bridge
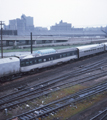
<point x="8" y="40"/>
<point x="47" y="39"/>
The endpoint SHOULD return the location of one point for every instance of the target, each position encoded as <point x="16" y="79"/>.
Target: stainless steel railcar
<point x="105" y="46"/>
<point x="31" y="63"/>
<point x="9" y="66"/>
<point x="90" y="49"/>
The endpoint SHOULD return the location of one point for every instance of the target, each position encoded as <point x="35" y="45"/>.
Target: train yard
<point x="90" y="71"/>
<point x="58" y="104"/>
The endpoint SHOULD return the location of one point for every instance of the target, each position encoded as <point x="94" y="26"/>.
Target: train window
<point x="39" y="60"/>
<point x="60" y="56"/>
<point x="72" y="53"/>
<point x="22" y="64"/>
<point x="64" y="55"/>
<point x="51" y="58"/>
<point x="30" y="62"/>
<point x="68" y="54"/>
<point x="44" y="60"/>
<point x="27" y="63"/>
<point x="54" y="57"/>
<point x="57" y="56"/>
<point x="35" y="61"/>
<point x="75" y="52"/>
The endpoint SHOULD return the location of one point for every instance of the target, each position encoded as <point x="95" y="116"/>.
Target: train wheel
<point x="37" y="70"/>
<point x="32" y="71"/>
<point x="8" y="78"/>
<point x="1" y="80"/>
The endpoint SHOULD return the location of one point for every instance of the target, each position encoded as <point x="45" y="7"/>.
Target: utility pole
<point x="31" y="42"/>
<point x="1" y="23"/>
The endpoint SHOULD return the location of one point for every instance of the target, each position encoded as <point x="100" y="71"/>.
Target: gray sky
<point x="81" y="13"/>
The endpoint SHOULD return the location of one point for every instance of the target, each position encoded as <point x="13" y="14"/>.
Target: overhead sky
<point x="80" y="13"/>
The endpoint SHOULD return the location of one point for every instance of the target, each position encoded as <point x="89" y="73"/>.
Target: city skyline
<point x="80" y="13"/>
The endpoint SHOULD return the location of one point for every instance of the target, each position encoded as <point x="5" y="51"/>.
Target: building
<point x="28" y="22"/>
<point x="12" y="24"/>
<point x="8" y="32"/>
<point x="62" y="26"/>
<point x="21" y="25"/>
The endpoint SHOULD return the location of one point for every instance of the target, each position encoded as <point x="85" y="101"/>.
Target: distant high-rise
<point x="62" y="26"/>
<point x="28" y="21"/>
<point x="12" y="24"/>
<point x="21" y="25"/>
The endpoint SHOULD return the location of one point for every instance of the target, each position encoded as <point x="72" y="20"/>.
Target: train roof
<point x="8" y="60"/>
<point x="45" y="51"/>
<point x="67" y="49"/>
<point x="39" y="53"/>
<point x="89" y="46"/>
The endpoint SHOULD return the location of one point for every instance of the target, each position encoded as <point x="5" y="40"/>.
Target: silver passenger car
<point x="31" y="62"/>
<point x="9" y="66"/>
<point x="105" y="46"/>
<point x="90" y="49"/>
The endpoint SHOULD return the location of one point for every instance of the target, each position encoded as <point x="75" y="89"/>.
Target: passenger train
<point x="14" y="66"/>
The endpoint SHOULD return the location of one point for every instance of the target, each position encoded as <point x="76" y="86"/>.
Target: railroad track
<point x="52" y="107"/>
<point x="44" y="91"/>
<point x="101" y="116"/>
<point x="38" y="90"/>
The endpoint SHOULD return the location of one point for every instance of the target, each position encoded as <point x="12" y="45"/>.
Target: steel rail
<point x="100" y="116"/>
<point x="24" y="98"/>
<point x="55" y="105"/>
